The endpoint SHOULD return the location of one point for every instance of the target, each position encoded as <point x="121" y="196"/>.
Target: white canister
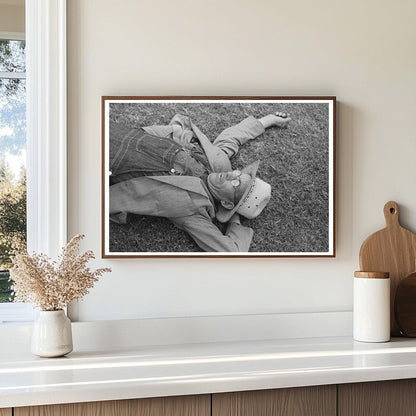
<point x="371" y="322"/>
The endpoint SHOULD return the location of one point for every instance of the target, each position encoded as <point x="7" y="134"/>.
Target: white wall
<point x="361" y="51"/>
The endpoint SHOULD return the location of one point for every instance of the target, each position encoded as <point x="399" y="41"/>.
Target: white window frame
<point x="46" y="134"/>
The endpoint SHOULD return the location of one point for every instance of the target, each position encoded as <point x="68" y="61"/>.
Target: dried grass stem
<point x="53" y="285"/>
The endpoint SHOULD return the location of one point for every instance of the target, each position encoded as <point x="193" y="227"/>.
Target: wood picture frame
<point x="161" y="156"/>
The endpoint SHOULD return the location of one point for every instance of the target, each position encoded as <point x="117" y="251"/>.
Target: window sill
<point x="16" y="313"/>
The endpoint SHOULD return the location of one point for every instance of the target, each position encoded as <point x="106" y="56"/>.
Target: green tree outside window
<point x="12" y="155"/>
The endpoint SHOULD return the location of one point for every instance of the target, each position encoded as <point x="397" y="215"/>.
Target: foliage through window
<point x="12" y="155"/>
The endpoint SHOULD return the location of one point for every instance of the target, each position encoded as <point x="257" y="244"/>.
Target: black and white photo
<point x="218" y="176"/>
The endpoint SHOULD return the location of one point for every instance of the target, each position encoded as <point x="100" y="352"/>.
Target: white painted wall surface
<point x="362" y="52"/>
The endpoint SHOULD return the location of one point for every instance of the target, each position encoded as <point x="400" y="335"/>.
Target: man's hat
<point x="254" y="199"/>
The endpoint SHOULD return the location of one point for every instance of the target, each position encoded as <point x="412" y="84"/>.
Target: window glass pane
<point x="12" y="56"/>
<point x="12" y="174"/>
<point x="5" y="292"/>
<point x="13" y="121"/>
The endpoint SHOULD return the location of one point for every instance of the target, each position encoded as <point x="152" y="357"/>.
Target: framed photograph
<point x="218" y="177"/>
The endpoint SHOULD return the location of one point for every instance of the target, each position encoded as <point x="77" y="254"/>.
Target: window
<point x="12" y="165"/>
<point x="12" y="153"/>
<point x="46" y="135"/>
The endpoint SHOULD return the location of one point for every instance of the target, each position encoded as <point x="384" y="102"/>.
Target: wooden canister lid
<point x="372" y="275"/>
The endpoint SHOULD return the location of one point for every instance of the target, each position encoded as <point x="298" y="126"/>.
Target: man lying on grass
<point x="176" y="172"/>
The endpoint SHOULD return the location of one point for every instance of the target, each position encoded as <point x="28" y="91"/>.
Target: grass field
<point x="293" y="160"/>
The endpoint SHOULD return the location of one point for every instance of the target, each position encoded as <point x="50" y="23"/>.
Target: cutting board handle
<point x="391" y="214"/>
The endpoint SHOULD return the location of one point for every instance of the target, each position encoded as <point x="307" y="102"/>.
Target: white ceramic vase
<point x="52" y="334"/>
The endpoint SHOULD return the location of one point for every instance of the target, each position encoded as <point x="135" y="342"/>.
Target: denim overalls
<point x="133" y="153"/>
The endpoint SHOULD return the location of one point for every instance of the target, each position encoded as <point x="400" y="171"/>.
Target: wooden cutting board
<point x="393" y="250"/>
<point x="405" y="305"/>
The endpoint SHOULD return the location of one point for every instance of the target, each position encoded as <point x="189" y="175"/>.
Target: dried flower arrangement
<point x="53" y="285"/>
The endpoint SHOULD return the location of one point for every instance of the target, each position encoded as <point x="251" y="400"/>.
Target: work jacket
<point x="186" y="201"/>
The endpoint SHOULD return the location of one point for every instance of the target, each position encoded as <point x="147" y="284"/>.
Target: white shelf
<point x="151" y="371"/>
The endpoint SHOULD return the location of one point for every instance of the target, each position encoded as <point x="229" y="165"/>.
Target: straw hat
<point x="254" y="199"/>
